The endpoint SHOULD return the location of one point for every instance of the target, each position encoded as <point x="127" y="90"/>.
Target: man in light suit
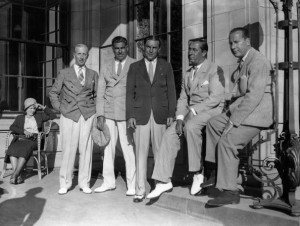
<point x="110" y="105"/>
<point x="150" y="106"/>
<point x="73" y="94"/>
<point x="250" y="111"/>
<point x="201" y="97"/>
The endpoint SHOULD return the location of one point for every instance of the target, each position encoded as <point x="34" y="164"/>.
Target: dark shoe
<point x="211" y="192"/>
<point x="20" y="180"/>
<point x="138" y="198"/>
<point x="209" y="183"/>
<point x="13" y="180"/>
<point x="225" y="198"/>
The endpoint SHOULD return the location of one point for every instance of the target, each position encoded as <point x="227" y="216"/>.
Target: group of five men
<point x="136" y="100"/>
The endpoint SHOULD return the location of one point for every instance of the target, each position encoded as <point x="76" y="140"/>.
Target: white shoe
<point x="104" y="188"/>
<point x="197" y="181"/>
<point x="159" y="189"/>
<point x="130" y="192"/>
<point x="62" y="191"/>
<point x="86" y="190"/>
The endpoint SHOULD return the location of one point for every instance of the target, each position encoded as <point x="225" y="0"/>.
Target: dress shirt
<point x="117" y="64"/>
<point x="153" y="64"/>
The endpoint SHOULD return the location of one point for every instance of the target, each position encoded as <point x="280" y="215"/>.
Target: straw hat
<point x="101" y="138"/>
<point x="29" y="102"/>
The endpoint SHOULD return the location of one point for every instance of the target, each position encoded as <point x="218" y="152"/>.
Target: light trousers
<point x="142" y="136"/>
<point x="119" y="130"/>
<point x="171" y="144"/>
<point x="76" y="135"/>
<point x="225" y="149"/>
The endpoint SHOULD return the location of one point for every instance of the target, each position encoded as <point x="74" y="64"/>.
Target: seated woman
<point x="27" y="127"/>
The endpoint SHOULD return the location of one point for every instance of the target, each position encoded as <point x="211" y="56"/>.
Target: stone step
<point x="241" y="214"/>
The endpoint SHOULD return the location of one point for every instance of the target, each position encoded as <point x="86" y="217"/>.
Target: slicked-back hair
<point x="80" y="45"/>
<point x="152" y="38"/>
<point x="202" y="41"/>
<point x="244" y="31"/>
<point x="119" y="39"/>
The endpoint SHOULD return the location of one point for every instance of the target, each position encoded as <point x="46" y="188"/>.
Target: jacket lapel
<point x="199" y="77"/>
<point x="158" y="70"/>
<point x="244" y="65"/>
<point x="187" y="80"/>
<point x="74" y="78"/>
<point x="88" y="77"/>
<point x="124" y="70"/>
<point x="144" y="72"/>
<point x="113" y="70"/>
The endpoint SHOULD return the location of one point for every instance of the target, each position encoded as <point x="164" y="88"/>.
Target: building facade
<point x="37" y="39"/>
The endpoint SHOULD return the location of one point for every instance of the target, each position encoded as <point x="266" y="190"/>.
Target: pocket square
<point x="205" y="83"/>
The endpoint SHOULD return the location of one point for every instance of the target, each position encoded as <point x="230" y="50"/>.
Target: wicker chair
<point x="39" y="155"/>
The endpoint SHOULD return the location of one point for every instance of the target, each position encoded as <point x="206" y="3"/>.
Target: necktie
<point x="80" y="76"/>
<point x="150" y="72"/>
<point x="240" y="65"/>
<point x="194" y="72"/>
<point x="119" y="68"/>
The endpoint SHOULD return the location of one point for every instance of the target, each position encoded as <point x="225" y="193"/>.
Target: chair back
<point x="46" y="129"/>
<point x="47" y="126"/>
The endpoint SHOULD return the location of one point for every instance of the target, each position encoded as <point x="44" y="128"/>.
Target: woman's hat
<point x="29" y="102"/>
<point x="100" y="137"/>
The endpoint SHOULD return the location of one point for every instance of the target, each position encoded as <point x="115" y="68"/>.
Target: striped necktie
<point x="81" y="76"/>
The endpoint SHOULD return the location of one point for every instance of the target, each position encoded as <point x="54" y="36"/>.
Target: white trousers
<point x="119" y="130"/>
<point x="76" y="135"/>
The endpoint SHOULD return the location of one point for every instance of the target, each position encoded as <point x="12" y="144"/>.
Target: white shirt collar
<point x="76" y="67"/>
<point x="122" y="62"/>
<point x="198" y="66"/>
<point x="153" y="61"/>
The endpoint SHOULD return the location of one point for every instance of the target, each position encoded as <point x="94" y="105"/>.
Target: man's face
<point x="81" y="55"/>
<point x="195" y="54"/>
<point x="120" y="51"/>
<point x="238" y="44"/>
<point x="151" y="50"/>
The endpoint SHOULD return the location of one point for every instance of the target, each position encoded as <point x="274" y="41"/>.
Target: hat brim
<point x="28" y="107"/>
<point x="101" y="138"/>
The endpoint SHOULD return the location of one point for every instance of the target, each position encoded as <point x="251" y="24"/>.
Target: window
<point x="162" y="19"/>
<point x="33" y="48"/>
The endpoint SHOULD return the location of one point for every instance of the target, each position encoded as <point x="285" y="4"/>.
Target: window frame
<point x="43" y="45"/>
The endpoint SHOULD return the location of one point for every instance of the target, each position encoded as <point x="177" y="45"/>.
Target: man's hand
<point x="228" y="127"/>
<point x="100" y="122"/>
<point x="131" y="123"/>
<point x="27" y="134"/>
<point x="179" y="127"/>
<point x="169" y="121"/>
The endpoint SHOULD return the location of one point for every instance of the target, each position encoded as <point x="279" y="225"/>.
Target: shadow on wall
<point x="256" y="34"/>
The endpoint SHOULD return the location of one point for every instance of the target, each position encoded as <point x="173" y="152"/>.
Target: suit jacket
<point x="142" y="96"/>
<point x="252" y="97"/>
<point x="205" y="92"/>
<point x="111" y="96"/>
<point x="72" y="99"/>
<point x="18" y="125"/>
